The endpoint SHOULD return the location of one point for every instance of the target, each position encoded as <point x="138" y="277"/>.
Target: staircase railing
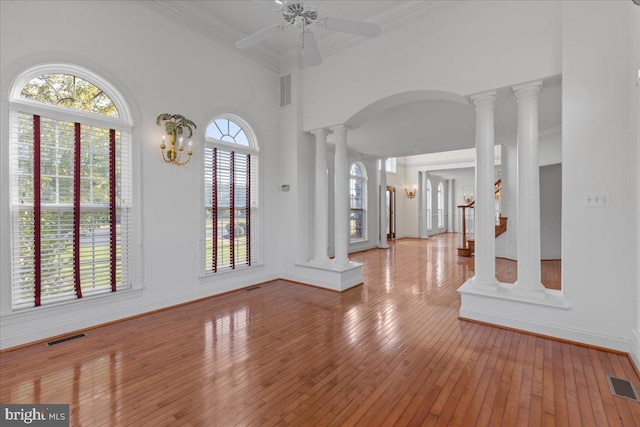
<point x="467" y="247"/>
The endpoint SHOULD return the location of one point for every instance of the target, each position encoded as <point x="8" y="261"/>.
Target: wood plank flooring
<point x="390" y="352"/>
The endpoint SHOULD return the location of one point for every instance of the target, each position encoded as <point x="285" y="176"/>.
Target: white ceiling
<point x="413" y="128"/>
<point x="228" y="21"/>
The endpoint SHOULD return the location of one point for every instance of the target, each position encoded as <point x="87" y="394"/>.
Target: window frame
<point x="123" y="124"/>
<point x="253" y="149"/>
<point x="364" y="179"/>
<point x="441" y="205"/>
<point x="429" y="197"/>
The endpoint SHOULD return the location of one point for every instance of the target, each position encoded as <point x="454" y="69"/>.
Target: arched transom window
<point x="71" y="187"/>
<point x="65" y="90"/>
<point x="231" y="204"/>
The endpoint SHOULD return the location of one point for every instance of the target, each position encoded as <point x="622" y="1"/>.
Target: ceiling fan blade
<point x="260" y="36"/>
<point x="310" y="50"/>
<point x="350" y="26"/>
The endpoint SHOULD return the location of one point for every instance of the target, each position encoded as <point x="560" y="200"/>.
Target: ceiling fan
<point x="302" y="16"/>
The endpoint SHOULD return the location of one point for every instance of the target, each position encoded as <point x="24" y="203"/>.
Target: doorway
<point x="391" y="212"/>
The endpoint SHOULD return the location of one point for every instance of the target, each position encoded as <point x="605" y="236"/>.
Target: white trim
<point x="252" y="134"/>
<point x="126" y="122"/>
<point x="634" y="344"/>
<point x="117" y="313"/>
<point x="553" y="331"/>
<point x="69" y="114"/>
<point x="253" y="147"/>
<point x="112" y="92"/>
<point x="364" y="178"/>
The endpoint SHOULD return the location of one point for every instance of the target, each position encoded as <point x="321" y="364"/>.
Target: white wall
<point x="597" y="152"/>
<point x="551" y="211"/>
<point x="549" y="153"/>
<point x="161" y="68"/>
<point x="464" y="49"/>
<point x="599" y="273"/>
<point x="634" y="113"/>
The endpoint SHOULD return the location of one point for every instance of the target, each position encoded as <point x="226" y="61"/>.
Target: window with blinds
<point x="231" y="194"/>
<point x="429" y="205"/>
<point x="440" y="205"/>
<point x="357" y="198"/>
<point x="71" y="198"/>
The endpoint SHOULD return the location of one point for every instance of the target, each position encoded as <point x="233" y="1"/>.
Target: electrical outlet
<point x="593" y="200"/>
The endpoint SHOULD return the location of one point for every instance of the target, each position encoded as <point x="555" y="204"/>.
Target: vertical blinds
<point x="231" y="208"/>
<point x="72" y="215"/>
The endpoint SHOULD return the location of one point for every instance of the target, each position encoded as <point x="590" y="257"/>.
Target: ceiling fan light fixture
<point x="299" y="15"/>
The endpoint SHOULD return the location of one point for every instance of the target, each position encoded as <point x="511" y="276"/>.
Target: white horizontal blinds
<point x="94" y="245"/>
<point x="62" y="194"/>
<point x="124" y="230"/>
<point x="225" y="225"/>
<point x="210" y="213"/>
<point x="22" y="200"/>
<point x="57" y="155"/>
<point x="231" y="208"/>
<point x="254" y="211"/>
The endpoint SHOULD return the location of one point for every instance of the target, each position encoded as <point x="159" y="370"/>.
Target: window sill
<point x="208" y="276"/>
<point x="358" y="240"/>
<point x="62" y="307"/>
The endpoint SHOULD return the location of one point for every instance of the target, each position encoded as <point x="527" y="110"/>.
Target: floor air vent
<point x="253" y="289"/>
<point x="622" y="388"/>
<point x="65" y="339"/>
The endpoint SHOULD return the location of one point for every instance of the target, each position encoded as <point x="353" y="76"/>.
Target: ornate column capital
<point x="319" y="133"/>
<point x="484" y="99"/>
<point x="340" y="129"/>
<point x="526" y="90"/>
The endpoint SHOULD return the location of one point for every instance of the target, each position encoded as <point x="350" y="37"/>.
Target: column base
<point x="383" y="246"/>
<point x="488" y="285"/>
<point x="336" y="277"/>
<point x="320" y="262"/>
<point x="531" y="291"/>
<point x="340" y="265"/>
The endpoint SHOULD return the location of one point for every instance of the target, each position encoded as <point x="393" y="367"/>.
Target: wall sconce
<point x="410" y="194"/>
<point x="175" y="125"/>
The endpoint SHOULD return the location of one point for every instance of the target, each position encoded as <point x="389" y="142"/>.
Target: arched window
<point x="231" y="203"/>
<point x="429" y="205"/>
<point x="440" y="205"/>
<point x="358" y="202"/>
<point x="71" y="187"/>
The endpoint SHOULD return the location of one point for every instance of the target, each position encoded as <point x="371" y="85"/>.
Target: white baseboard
<point x="634" y="344"/>
<point x="555" y="331"/>
<point x="92" y="318"/>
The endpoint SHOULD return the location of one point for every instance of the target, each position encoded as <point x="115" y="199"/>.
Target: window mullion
<point x="37" y="212"/>
<point x="232" y="211"/>
<point x="214" y="208"/>
<point x="247" y="211"/>
<point x="112" y="208"/>
<point x="76" y="209"/>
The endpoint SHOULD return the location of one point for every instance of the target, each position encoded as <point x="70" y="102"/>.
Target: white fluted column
<point x="528" y="206"/>
<point x="383" y="204"/>
<point x="341" y="192"/>
<point x="485" y="243"/>
<point x="321" y="225"/>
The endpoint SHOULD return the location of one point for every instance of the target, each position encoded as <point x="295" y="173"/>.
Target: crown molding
<point x="186" y="13"/>
<point x="214" y="29"/>
<point x="391" y="19"/>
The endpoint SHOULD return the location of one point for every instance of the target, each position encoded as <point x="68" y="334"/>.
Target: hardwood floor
<point x="390" y="352"/>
